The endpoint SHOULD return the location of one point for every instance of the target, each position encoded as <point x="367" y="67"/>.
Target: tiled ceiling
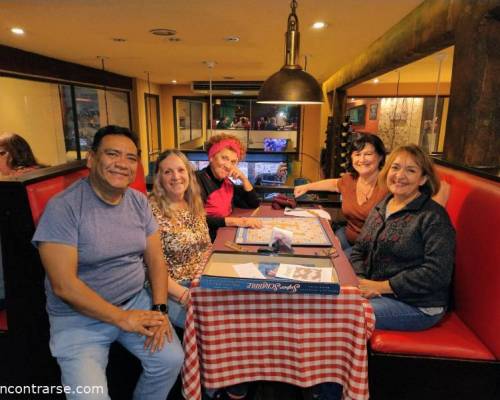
<point x="81" y="30"/>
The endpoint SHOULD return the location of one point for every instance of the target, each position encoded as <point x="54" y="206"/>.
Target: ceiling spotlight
<point x="174" y="81"/>
<point x="236" y="92"/>
<point x="232" y="39"/>
<point x="119" y="39"/>
<point x="163" y="32"/>
<point x="228" y="77"/>
<point x="174" y="39"/>
<point x="17" y="31"/>
<point x="376" y="80"/>
<point x="319" y="25"/>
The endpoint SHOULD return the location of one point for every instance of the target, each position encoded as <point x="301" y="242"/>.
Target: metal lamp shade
<point x="290" y="86"/>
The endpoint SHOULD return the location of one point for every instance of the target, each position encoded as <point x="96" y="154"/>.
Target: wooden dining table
<point x="235" y="336"/>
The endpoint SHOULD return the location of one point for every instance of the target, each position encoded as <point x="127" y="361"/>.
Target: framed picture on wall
<point x="373" y="111"/>
<point x="357" y="115"/>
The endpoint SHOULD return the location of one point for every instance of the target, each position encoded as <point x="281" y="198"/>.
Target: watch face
<point x="160" y="307"/>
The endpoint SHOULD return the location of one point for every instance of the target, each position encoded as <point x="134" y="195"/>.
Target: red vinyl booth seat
<point x="40" y="193"/>
<point x="472" y="329"/>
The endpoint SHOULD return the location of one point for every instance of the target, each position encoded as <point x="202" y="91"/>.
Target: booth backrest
<point x="41" y="192"/>
<point x="474" y="208"/>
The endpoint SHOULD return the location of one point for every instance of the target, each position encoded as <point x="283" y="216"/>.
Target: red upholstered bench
<point x="463" y="350"/>
<point x="40" y="193"/>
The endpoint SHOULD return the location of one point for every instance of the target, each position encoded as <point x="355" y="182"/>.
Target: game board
<point x="306" y="232"/>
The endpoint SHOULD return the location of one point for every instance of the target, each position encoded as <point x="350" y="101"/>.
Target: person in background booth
<point x="16" y="156"/>
<point x="277" y="178"/>
<point x="359" y="187"/>
<point x="219" y="194"/>
<point x="223" y="123"/>
<point x="178" y="209"/>
<point x="95" y="239"/>
<point x="405" y="253"/>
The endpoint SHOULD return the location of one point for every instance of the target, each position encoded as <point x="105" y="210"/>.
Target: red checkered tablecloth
<point x="238" y="336"/>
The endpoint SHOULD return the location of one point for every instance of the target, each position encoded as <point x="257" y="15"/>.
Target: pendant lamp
<point x="291" y="85"/>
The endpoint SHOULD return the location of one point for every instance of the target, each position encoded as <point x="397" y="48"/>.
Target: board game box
<point x="276" y="273"/>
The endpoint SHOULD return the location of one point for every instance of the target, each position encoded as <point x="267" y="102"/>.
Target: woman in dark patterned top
<point x="404" y="254"/>
<point x="177" y="206"/>
<point x="218" y="192"/>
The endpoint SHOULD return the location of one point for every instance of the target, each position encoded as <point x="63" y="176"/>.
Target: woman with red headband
<point x="218" y="192"/>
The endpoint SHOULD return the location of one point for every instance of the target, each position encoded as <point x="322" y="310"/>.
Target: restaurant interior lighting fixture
<point x="291" y="84"/>
<point x="174" y="81"/>
<point x="232" y="38"/>
<point x="210" y="65"/>
<point x="163" y="32"/>
<point x="319" y="25"/>
<point x="105" y="88"/>
<point x="376" y="80"/>
<point x="17" y="31"/>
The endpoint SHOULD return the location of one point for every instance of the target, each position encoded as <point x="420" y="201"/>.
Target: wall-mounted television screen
<point x="357" y="115"/>
<point x="275" y="144"/>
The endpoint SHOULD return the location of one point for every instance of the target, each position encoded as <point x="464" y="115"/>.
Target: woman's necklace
<point x="364" y="190"/>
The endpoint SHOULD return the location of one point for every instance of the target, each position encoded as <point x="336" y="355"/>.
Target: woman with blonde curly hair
<point x="178" y="209"/>
<point x="219" y="194"/>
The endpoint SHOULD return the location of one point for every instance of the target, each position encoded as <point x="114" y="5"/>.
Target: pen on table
<point x="234" y="246"/>
<point x="313" y="212"/>
<point x="254" y="212"/>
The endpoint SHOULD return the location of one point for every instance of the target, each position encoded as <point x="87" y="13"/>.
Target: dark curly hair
<point x="19" y="151"/>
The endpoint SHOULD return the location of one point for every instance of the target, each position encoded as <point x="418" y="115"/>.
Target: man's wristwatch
<point x="163" y="308"/>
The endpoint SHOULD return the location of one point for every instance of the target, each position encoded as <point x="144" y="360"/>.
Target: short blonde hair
<point x="425" y="163"/>
<point x="193" y="192"/>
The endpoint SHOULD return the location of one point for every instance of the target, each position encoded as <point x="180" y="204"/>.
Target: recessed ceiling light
<point x="353" y="99"/>
<point x="232" y="38"/>
<point x="376" y="80"/>
<point x="319" y="25"/>
<point x="228" y="77"/>
<point x="236" y="92"/>
<point x="119" y="39"/>
<point x="17" y="31"/>
<point x="174" y="39"/>
<point x="163" y="32"/>
<point x="174" y="81"/>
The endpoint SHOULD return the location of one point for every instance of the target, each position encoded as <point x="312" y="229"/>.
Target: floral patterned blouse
<point x="185" y="242"/>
